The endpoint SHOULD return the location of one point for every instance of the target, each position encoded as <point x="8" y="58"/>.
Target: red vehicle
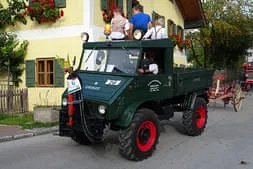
<point x="228" y="93"/>
<point x="247" y="76"/>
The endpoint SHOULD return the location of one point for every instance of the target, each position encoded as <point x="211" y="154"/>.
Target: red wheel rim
<point x="201" y="116"/>
<point x="146" y="135"/>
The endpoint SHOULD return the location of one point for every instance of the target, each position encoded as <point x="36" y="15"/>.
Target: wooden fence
<point x="13" y="101"/>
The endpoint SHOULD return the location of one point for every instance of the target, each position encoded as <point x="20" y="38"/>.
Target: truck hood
<point x="101" y="87"/>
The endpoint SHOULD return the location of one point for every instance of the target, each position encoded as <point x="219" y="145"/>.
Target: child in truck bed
<point x="157" y="32"/>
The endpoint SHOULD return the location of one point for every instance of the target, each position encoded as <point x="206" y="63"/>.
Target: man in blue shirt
<point x="139" y="20"/>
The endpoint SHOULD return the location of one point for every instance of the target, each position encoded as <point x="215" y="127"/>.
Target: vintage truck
<point x="113" y="94"/>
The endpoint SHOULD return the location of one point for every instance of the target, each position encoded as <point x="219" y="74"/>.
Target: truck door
<point x="158" y="86"/>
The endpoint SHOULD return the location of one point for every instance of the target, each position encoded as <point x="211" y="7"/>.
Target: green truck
<point x="113" y="94"/>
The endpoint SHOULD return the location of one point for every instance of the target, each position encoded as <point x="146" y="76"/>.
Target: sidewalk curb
<point x="30" y="133"/>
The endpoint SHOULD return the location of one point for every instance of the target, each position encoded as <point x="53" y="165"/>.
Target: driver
<point x="148" y="65"/>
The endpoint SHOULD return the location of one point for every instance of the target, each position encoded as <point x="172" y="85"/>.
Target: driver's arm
<point x="153" y="68"/>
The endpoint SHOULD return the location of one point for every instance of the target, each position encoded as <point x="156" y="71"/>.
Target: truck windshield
<point x="121" y="60"/>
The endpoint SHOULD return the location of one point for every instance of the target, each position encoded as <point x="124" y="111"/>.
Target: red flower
<point x="104" y="14"/>
<point x="43" y="19"/>
<point x="115" y="7"/>
<point x="51" y="1"/>
<point x="24" y="13"/>
<point x="31" y="9"/>
<point x="62" y="13"/>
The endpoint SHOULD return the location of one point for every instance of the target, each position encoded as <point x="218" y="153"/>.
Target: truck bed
<point x="188" y="80"/>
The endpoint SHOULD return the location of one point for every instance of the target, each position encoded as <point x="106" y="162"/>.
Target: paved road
<point x="227" y="141"/>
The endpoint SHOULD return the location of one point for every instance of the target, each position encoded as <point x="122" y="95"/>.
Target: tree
<point x="14" y="12"/>
<point x="12" y="54"/>
<point x="224" y="41"/>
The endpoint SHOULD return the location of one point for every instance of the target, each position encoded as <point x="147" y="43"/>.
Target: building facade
<point x="51" y="44"/>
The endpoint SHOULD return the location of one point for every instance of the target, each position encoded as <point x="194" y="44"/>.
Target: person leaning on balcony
<point x="139" y="20"/>
<point x="156" y="32"/>
<point x="119" y="25"/>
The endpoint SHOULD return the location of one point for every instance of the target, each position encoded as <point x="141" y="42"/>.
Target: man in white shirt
<point x="157" y="32"/>
<point x="148" y="66"/>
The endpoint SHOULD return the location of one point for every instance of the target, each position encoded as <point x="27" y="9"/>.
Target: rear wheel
<point x="139" y="140"/>
<point x="194" y="120"/>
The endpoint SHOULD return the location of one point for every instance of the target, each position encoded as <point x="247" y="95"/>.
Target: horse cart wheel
<point x="237" y="98"/>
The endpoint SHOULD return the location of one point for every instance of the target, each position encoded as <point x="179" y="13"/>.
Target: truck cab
<point x="108" y="89"/>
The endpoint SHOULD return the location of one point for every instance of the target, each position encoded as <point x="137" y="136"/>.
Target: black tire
<point x="80" y="138"/>
<point x="194" y="121"/>
<point x="139" y="140"/>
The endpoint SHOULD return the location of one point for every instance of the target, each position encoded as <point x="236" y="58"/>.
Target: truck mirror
<point x="74" y="61"/>
<point x="100" y="57"/>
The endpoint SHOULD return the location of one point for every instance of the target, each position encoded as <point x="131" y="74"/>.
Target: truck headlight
<point x="101" y="109"/>
<point x="246" y="75"/>
<point x="85" y="36"/>
<point x="64" y="101"/>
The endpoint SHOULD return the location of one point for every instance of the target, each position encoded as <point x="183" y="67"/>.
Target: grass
<point x="25" y="121"/>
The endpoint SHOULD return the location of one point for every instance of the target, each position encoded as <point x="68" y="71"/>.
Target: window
<point x="58" y="3"/>
<point x="170" y="27"/>
<point x="112" y="3"/>
<point x="180" y="32"/>
<point x="158" y="57"/>
<point x="105" y="4"/>
<point x="108" y="60"/>
<point x="45" y="72"/>
<point x="156" y="16"/>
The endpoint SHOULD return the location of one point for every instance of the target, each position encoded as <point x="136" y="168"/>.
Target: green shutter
<point x="169" y="22"/>
<point x="174" y="29"/>
<point x="183" y="34"/>
<point x="153" y="18"/>
<point x="30" y="73"/>
<point x="129" y="8"/>
<point x="120" y="3"/>
<point x="58" y="73"/>
<point x="29" y="2"/>
<point x="163" y="17"/>
<point x="104" y="4"/>
<point x="60" y="3"/>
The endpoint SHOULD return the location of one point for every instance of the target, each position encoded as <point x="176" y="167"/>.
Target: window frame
<point x="45" y="60"/>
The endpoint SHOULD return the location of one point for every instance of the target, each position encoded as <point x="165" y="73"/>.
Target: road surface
<point x="227" y="143"/>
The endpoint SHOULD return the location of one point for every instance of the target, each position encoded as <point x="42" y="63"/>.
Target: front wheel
<point x="139" y="140"/>
<point x="194" y="120"/>
<point x="80" y="138"/>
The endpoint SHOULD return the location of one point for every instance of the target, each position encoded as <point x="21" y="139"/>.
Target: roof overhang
<point x="193" y="13"/>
